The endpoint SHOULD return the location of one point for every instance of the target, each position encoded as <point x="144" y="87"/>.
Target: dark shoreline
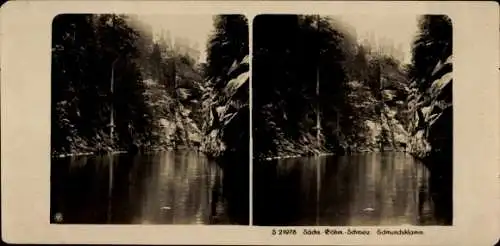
<point x="320" y="154"/>
<point x="117" y="152"/>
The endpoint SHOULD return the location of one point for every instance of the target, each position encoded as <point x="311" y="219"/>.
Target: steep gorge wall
<point x="432" y="116"/>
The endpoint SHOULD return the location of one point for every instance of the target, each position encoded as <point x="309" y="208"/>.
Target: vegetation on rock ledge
<point x="310" y="72"/>
<point x="315" y="89"/>
<point x="309" y="65"/>
<point x="111" y="77"/>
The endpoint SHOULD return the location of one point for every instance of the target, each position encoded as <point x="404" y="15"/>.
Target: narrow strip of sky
<point x="195" y="28"/>
<point x="400" y="29"/>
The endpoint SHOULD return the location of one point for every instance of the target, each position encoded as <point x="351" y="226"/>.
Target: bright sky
<point x="400" y="29"/>
<point x="195" y="28"/>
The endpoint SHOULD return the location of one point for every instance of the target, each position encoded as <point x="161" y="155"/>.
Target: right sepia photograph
<point x="352" y="120"/>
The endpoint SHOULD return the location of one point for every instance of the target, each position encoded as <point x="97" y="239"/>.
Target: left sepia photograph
<point x="149" y="119"/>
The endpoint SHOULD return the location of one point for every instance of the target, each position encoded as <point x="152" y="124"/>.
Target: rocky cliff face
<point x="175" y="124"/>
<point x="227" y="111"/>
<point x="379" y="125"/>
<point x="431" y="125"/>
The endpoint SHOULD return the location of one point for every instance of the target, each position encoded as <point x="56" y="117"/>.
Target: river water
<point x="180" y="187"/>
<point x="185" y="187"/>
<point x="356" y="190"/>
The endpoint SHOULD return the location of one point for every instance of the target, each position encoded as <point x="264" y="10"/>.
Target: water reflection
<point x="363" y="189"/>
<point x="166" y="188"/>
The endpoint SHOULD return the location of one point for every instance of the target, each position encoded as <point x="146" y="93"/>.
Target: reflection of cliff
<point x="333" y="180"/>
<point x="363" y="189"/>
<point x="235" y="182"/>
<point x="383" y="189"/>
<point x="165" y="188"/>
<point x="216" y="199"/>
<point x="179" y="192"/>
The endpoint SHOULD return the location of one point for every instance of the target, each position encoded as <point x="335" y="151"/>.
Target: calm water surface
<point x="357" y="190"/>
<point x="163" y="188"/>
